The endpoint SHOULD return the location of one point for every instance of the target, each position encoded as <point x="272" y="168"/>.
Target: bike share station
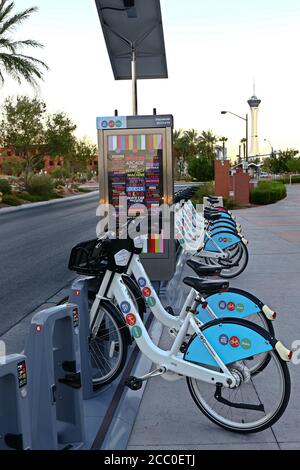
<point x="47" y="398"/>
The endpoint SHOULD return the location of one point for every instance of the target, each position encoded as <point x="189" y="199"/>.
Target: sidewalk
<point x="168" y="419"/>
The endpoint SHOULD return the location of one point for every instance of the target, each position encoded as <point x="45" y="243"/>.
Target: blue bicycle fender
<point x="228" y="304"/>
<point x="232" y="342"/>
<point x="217" y="230"/>
<point x="225" y="215"/>
<point x="223" y="224"/>
<point x="223" y="239"/>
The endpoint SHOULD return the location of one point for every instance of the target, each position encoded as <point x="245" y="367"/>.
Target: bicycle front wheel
<point x="269" y="392"/>
<point x="240" y="256"/>
<point x="108" y="345"/>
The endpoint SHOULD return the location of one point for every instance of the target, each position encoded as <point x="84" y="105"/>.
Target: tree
<point x="59" y="136"/>
<point x="223" y="140"/>
<point x="84" y="154"/>
<point x="207" y="141"/>
<point x="12" y="167"/>
<point x="280" y="162"/>
<point x="294" y="165"/>
<point x="182" y="149"/>
<point x="201" y="168"/>
<point x="22" y="129"/>
<point x="13" y="61"/>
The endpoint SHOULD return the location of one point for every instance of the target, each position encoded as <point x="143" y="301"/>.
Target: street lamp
<point x="246" y="119"/>
<point x="272" y="148"/>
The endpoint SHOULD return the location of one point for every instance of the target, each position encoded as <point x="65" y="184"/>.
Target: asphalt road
<point x="34" y="250"/>
<point x="35" y="245"/>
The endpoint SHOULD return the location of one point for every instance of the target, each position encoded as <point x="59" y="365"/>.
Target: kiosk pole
<point x="134" y="83"/>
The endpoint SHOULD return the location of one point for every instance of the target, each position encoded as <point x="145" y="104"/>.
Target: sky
<point x="214" y="49"/>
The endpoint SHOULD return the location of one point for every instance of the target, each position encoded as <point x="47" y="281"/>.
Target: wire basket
<point x="89" y="258"/>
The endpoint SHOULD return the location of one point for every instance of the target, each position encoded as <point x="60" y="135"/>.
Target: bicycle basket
<point x="88" y="258"/>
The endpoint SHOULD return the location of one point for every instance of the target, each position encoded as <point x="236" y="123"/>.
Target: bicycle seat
<point x="203" y="269"/>
<point x="206" y="287"/>
<point x="213" y="199"/>
<point x="212" y="217"/>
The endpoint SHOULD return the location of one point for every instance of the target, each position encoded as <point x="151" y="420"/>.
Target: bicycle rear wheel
<point x="108" y="345"/>
<point x="269" y="390"/>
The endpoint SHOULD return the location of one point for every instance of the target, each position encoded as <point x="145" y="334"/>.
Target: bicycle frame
<point x="172" y="360"/>
<point x="137" y="269"/>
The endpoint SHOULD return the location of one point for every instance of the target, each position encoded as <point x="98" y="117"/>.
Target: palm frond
<point x="5" y="9"/>
<point x="23" y="67"/>
<point x="5" y="43"/>
<point x="12" y="61"/>
<point x="1" y="77"/>
<point x="16" y="20"/>
<point x="26" y="43"/>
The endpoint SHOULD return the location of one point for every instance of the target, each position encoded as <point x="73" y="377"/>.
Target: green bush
<point x="40" y="185"/>
<point x="286" y="179"/>
<point x="268" y="192"/>
<point x="5" y="187"/>
<point x="11" y="200"/>
<point x="205" y="190"/>
<point x="229" y="203"/>
<point x="61" y="174"/>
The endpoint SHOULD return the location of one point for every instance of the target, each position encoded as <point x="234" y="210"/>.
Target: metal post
<point x="247" y="137"/>
<point x="134" y="83"/>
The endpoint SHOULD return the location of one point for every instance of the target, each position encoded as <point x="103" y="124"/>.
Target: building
<point x="50" y="163"/>
<point x="254" y="103"/>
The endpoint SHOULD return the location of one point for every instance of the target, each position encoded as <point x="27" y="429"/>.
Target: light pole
<point x="272" y="148"/>
<point x="246" y="119"/>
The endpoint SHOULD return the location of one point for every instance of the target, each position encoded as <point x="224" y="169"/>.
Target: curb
<point x="9" y="210"/>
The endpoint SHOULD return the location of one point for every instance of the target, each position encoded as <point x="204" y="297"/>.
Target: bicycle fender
<point x="224" y="239"/>
<point x="232" y="340"/>
<point x="222" y="225"/>
<point x="229" y="304"/>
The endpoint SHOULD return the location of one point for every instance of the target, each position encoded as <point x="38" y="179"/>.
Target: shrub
<point x="205" y="190"/>
<point x="40" y="185"/>
<point x="11" y="200"/>
<point x="268" y="192"/>
<point x="286" y="179"/>
<point x="13" y="167"/>
<point x="5" y="187"/>
<point x="60" y="174"/>
<point x="229" y="203"/>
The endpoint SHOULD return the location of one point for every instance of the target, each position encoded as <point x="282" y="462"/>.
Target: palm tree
<point x="12" y="60"/>
<point x="191" y="138"/>
<point x="223" y="140"/>
<point x="208" y="139"/>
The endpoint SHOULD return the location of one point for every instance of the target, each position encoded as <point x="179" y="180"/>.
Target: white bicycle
<point x="214" y="360"/>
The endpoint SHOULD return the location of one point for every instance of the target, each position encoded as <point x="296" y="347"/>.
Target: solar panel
<point x="134" y="24"/>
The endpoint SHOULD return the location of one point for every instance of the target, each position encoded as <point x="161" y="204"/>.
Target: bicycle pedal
<point x="134" y="383"/>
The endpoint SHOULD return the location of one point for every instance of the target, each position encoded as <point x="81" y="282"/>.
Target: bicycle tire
<point x="274" y="418"/>
<point x="117" y="320"/>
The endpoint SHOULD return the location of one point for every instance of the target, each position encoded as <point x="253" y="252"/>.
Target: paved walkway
<point x="168" y="418"/>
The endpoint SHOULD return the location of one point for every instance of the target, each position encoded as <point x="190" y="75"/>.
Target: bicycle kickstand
<point x="136" y="383"/>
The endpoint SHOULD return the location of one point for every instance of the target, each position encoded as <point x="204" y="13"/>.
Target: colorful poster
<point x="135" y="171"/>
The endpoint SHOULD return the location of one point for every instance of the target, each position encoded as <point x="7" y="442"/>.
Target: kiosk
<point x="136" y="161"/>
